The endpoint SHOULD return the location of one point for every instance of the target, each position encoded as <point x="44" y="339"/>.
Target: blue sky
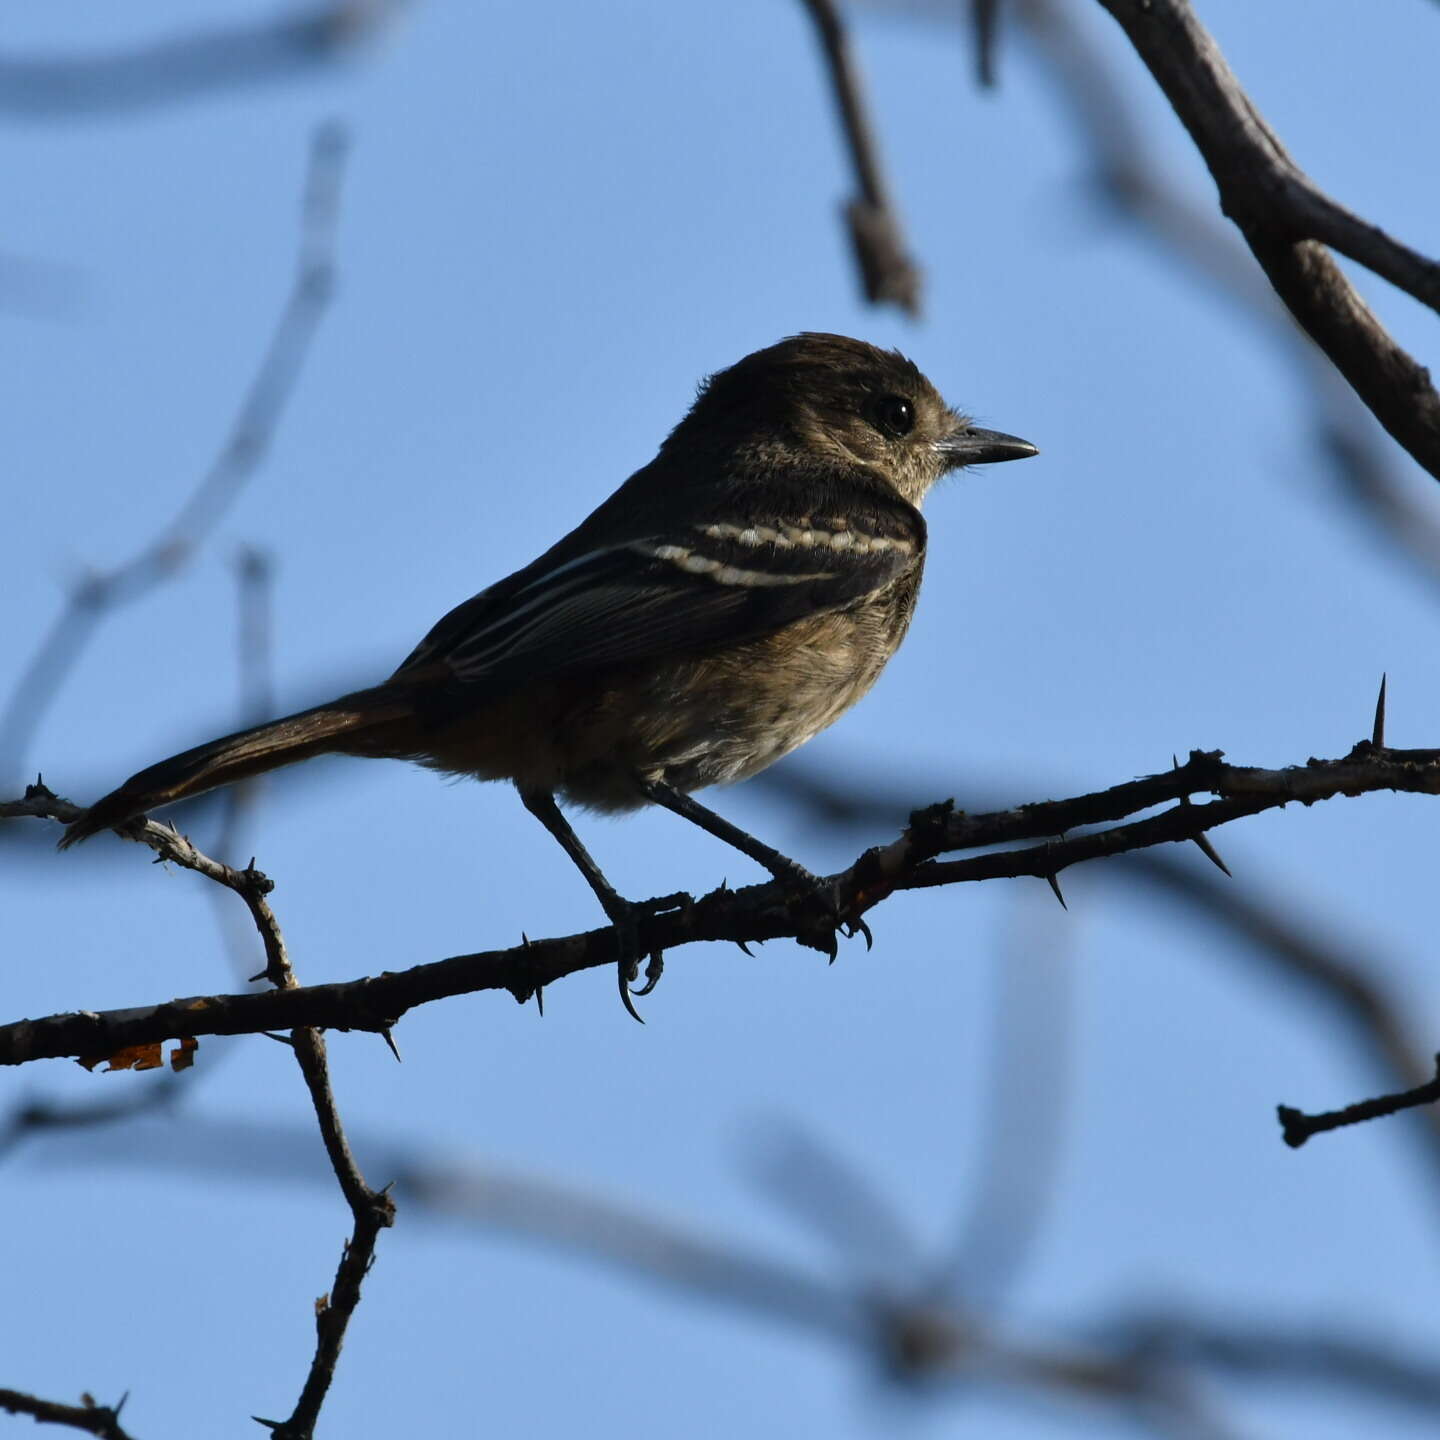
<point x="555" y="220"/>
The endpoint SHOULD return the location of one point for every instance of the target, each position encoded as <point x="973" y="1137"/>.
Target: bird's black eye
<point x="894" y="415"/>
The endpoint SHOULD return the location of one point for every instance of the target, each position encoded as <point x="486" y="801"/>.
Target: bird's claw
<point x="625" y="918"/>
<point x="822" y="918"/>
<point x="856" y="927"/>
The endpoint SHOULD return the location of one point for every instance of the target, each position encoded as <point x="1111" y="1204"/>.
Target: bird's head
<point x="828" y="399"/>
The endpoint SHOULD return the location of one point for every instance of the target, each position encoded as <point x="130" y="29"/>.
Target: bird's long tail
<point x="354" y="723"/>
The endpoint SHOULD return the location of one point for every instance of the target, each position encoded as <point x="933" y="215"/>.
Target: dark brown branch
<point x="1297" y="1127"/>
<point x="93" y="1419"/>
<point x="162" y="558"/>
<point x="887" y="272"/>
<point x="1287" y="222"/>
<point x="762" y="912"/>
<point x="371" y="1210"/>
<point x="1131" y="184"/>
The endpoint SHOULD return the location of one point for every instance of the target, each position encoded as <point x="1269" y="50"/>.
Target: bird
<point x="730" y="600"/>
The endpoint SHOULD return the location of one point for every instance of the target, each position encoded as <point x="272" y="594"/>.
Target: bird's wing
<point x="693" y="589"/>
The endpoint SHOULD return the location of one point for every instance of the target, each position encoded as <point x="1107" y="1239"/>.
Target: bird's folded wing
<point x="696" y="589"/>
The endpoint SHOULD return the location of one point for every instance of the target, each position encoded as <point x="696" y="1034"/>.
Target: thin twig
<point x="93" y="1419"/>
<point x="372" y="1211"/>
<point x="1297" y="1127"/>
<point x="249" y="440"/>
<point x="250" y="884"/>
<point x="887" y="272"/>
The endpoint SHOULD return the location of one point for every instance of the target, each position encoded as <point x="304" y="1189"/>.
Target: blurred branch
<point x="256" y="52"/>
<point x="761" y="912"/>
<point x="985" y="25"/>
<point x="1133" y="1362"/>
<point x="30" y="1116"/>
<point x="1277" y="1350"/>
<point x="1024" y="1110"/>
<point x="887" y="272"/>
<point x="1288" y="221"/>
<point x="839" y="1203"/>
<point x="101" y="1420"/>
<point x="254" y="580"/>
<point x="246" y="446"/>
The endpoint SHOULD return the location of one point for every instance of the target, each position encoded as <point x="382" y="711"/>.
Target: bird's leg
<point x="621" y="913"/>
<point x="782" y="867"/>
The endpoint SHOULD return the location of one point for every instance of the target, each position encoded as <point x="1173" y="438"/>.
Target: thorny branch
<point x="1307" y="953"/>
<point x="761" y="912"/>
<point x="887" y="272"/>
<point x="240" y="456"/>
<point x="1288" y="222"/>
<point x="93" y="1419"/>
<point x="372" y="1211"/>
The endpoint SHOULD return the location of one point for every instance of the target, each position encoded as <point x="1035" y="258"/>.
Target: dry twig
<point x="93" y="1419"/>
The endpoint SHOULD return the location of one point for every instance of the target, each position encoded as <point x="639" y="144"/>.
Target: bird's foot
<point x="823" y="918"/>
<point x="625" y="916"/>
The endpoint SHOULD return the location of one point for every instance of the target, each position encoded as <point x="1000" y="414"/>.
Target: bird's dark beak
<point x="983" y="447"/>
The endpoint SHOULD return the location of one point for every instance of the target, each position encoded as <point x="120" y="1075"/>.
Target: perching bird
<point x="730" y="600"/>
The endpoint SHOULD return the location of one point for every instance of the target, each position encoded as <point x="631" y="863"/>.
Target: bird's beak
<point x="983" y="447"/>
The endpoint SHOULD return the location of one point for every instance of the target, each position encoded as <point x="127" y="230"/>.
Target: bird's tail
<point x="352" y="723"/>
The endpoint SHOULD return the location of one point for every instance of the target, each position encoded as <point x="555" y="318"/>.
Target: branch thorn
<point x="1377" y="735"/>
<point x="1209" y="852"/>
<point x="1055" y="887"/>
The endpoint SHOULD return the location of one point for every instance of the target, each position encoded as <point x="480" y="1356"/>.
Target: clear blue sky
<point x="557" y="218"/>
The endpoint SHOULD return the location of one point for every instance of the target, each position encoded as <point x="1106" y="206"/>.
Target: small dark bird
<point x="730" y="600"/>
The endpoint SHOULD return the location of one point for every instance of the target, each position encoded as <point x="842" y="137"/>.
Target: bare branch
<point x="1287" y="222"/>
<point x="1297" y="1127"/>
<point x="372" y="1210"/>
<point x="887" y="272"/>
<point x="239" y="458"/>
<point x="761" y="912"/>
<point x="93" y="1419"/>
